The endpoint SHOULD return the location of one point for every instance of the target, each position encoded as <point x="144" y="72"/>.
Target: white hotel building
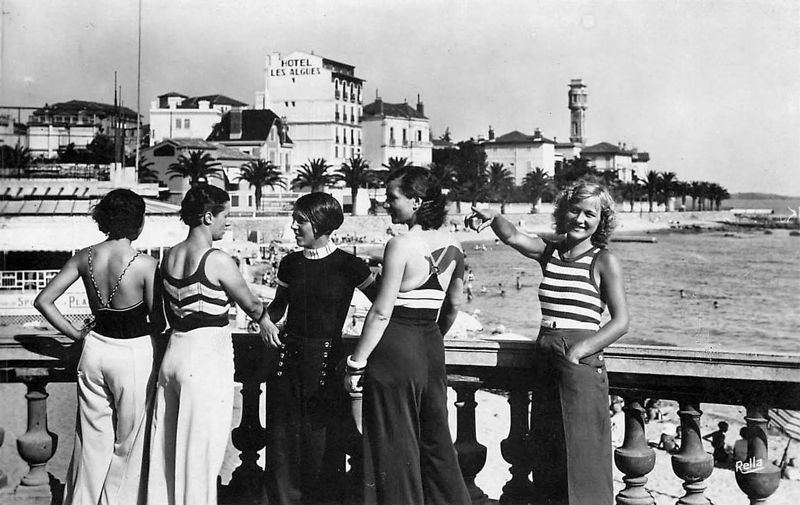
<point x="321" y="101"/>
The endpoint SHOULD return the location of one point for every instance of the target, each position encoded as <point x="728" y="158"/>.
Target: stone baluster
<point x="692" y="463"/>
<point x="246" y="484"/>
<point x="635" y="458"/>
<point x="471" y="454"/>
<point x="37" y="445"/>
<point x="757" y="476"/>
<point x="3" y="476"/>
<point x="516" y="449"/>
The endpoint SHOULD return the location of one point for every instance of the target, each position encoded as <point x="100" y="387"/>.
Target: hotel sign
<point x="295" y="67"/>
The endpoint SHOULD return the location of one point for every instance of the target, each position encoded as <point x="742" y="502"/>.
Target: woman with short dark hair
<point x="307" y="413"/>
<point x="115" y="371"/>
<point x="194" y="398"/>
<point x="409" y="456"/>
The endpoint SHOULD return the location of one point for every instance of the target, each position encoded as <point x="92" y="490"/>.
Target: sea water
<point x="753" y="277"/>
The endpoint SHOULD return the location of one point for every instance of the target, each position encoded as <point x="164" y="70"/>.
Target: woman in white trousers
<point x="115" y="373"/>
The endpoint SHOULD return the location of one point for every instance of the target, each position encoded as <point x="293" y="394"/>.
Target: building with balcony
<point x="521" y="153"/>
<point x="175" y="115"/>
<point x="396" y="130"/>
<point x="321" y="101"/>
<point x="78" y="122"/>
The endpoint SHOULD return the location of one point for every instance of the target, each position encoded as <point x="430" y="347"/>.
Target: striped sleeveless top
<point x="569" y="294"/>
<point x="425" y="301"/>
<point x="194" y="302"/>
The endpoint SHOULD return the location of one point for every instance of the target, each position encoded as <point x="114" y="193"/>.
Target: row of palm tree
<point x="492" y="183"/>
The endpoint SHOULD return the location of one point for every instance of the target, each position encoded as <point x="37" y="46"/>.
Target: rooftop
<point x="386" y="109"/>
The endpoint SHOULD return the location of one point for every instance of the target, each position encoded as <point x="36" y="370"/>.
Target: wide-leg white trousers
<point x="115" y="383"/>
<point x="192" y="418"/>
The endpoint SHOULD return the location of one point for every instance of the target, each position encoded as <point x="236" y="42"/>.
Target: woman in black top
<point x="307" y="410"/>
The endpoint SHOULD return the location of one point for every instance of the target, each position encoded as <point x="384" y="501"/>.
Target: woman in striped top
<point x="408" y="451"/>
<point x="194" y="398"/>
<point x="570" y="424"/>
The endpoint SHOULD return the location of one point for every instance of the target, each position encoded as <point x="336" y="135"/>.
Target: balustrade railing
<point x="756" y="381"/>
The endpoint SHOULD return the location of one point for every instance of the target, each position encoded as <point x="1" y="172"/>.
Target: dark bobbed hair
<point x="200" y="199"/>
<point x="579" y="191"/>
<point x="322" y="211"/>
<point x="417" y="182"/>
<point x="120" y="214"/>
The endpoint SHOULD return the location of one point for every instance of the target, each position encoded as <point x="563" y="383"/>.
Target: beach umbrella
<point x="789" y="422"/>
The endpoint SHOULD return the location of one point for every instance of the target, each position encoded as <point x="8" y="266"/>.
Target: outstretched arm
<point x="233" y="283"/>
<point x="45" y="301"/>
<point x="612" y="286"/>
<point x="531" y="246"/>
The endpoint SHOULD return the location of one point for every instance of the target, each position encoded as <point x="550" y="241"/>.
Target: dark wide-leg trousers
<point x="409" y="458"/>
<point x="570" y="424"/>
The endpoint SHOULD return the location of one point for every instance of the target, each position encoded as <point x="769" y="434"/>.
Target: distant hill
<point x="760" y="196"/>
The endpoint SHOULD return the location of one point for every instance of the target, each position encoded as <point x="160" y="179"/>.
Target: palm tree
<point x="444" y="173"/>
<point x="716" y="194"/>
<point x="651" y="184"/>
<point x="667" y="186"/>
<point x="632" y="188"/>
<point x="314" y="174"/>
<point x="499" y="185"/>
<point x="682" y="189"/>
<point x="396" y="162"/>
<point x="260" y="173"/>
<point x="695" y="193"/>
<point x="356" y="174"/>
<point x="17" y="157"/>
<point x="198" y="165"/>
<point x="536" y="184"/>
<point x="145" y="172"/>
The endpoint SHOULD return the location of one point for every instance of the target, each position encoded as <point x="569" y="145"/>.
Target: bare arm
<point x="454" y="297"/>
<point x="612" y="286"/>
<point x="233" y="283"/>
<point x="45" y="301"/>
<point x="531" y="246"/>
<point x="276" y="310"/>
<point x="377" y="318"/>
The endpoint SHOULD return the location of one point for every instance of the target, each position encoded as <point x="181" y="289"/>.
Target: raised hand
<point x="480" y="219"/>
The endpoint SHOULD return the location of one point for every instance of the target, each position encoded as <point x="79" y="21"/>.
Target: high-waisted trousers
<point x="409" y="458"/>
<point x="570" y="424"/>
<point x="115" y="382"/>
<point x="192" y="418"/>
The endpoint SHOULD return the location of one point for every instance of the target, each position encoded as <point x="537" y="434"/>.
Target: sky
<point x="711" y="89"/>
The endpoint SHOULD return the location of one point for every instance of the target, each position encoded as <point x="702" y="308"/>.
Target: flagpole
<point x="139" y="91"/>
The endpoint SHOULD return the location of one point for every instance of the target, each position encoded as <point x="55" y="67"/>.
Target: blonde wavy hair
<point x="578" y="192"/>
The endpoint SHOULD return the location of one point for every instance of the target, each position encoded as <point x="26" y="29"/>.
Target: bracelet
<point x="355" y="367"/>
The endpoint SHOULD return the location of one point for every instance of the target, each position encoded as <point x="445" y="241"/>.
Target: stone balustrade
<point x="691" y="377"/>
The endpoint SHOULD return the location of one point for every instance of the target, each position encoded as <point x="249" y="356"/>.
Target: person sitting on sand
<point x="668" y="441"/>
<point x="717" y="439"/>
